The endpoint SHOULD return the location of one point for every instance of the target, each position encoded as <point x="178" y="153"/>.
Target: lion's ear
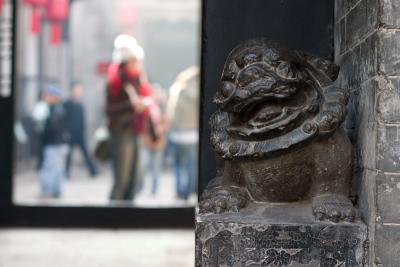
<point x="329" y="68"/>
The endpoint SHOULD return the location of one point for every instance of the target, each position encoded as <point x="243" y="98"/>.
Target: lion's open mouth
<point x="267" y="117"/>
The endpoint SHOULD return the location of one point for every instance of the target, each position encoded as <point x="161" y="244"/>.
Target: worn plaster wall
<point x="367" y="47"/>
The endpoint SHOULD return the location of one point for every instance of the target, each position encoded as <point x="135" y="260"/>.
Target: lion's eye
<point x="286" y="70"/>
<point x="227" y="89"/>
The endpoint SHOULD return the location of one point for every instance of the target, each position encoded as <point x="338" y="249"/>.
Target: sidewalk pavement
<point x="96" y="248"/>
<point x="81" y="189"/>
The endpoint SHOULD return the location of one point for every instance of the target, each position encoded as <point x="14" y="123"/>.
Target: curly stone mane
<point x="271" y="99"/>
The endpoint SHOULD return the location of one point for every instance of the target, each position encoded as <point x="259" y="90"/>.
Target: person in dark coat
<point x="76" y="128"/>
<point x="53" y="139"/>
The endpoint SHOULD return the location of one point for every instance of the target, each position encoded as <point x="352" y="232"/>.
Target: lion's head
<point x="271" y="98"/>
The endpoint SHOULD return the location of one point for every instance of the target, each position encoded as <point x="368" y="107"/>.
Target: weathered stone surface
<point x="387" y="245"/>
<point x="356" y="24"/>
<point x="360" y="21"/>
<point x="359" y="64"/>
<point x="367" y="208"/>
<point x="388" y="197"/>
<point x="388" y="99"/>
<point x="389" y="52"/>
<point x="340" y="37"/>
<point x="343" y="6"/>
<point x="367" y="145"/>
<point x="362" y="62"/>
<point x="388" y="148"/>
<point x="391" y="13"/>
<point x="367" y="125"/>
<point x="340" y="10"/>
<point x="372" y="14"/>
<point x="349" y="75"/>
<point x="367" y="195"/>
<point x="368" y="60"/>
<point x="269" y="237"/>
<point x="350" y="123"/>
<point x="366" y="109"/>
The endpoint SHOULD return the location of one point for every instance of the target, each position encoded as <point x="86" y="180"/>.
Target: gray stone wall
<point x="367" y="47"/>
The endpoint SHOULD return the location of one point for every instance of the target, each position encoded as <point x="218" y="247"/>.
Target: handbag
<point x="102" y="144"/>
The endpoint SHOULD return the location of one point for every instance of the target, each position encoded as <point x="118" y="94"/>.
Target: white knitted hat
<point x="125" y="48"/>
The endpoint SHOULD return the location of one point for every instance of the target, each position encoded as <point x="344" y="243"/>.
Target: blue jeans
<point x="151" y="160"/>
<point x="185" y="169"/>
<point x="52" y="170"/>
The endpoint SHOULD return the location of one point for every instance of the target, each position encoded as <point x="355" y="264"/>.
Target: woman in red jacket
<point x="127" y="109"/>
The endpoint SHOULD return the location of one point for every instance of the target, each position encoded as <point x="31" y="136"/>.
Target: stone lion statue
<point x="277" y="133"/>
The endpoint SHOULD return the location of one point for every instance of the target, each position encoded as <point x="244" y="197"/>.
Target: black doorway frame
<point x="68" y="216"/>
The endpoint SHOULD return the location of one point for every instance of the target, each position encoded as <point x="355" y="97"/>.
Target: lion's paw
<point x="223" y="199"/>
<point x="334" y="208"/>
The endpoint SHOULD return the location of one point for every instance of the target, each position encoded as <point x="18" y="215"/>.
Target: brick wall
<point x="367" y="47"/>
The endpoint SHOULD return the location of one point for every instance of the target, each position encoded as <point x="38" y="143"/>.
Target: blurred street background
<point x="66" y="48"/>
<point x="66" y="51"/>
<point x="81" y="189"/>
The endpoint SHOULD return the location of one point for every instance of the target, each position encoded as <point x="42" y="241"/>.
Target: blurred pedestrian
<point x="75" y="120"/>
<point x="54" y="139"/>
<point x="183" y="105"/>
<point x="127" y="101"/>
<point x="152" y="150"/>
<point x="40" y="114"/>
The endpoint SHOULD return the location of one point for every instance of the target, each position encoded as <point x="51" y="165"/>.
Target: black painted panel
<point x="299" y="24"/>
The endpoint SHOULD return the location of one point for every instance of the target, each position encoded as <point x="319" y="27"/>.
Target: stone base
<point x="277" y="235"/>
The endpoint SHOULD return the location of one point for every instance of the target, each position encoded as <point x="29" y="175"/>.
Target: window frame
<point x="12" y="214"/>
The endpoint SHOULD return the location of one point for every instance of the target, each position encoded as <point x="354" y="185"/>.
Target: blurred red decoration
<point x="127" y="14"/>
<point x="1" y="6"/>
<point x="55" y="33"/>
<point x="36" y="13"/>
<point x="102" y="67"/>
<point x="56" y="13"/>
